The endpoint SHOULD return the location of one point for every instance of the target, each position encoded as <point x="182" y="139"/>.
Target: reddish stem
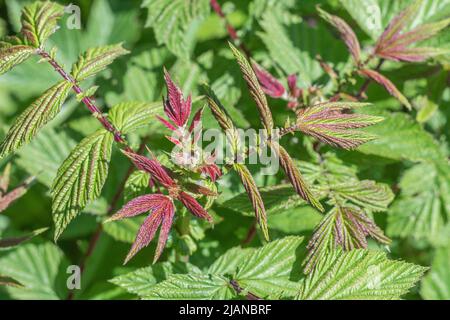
<point x="96" y="112"/>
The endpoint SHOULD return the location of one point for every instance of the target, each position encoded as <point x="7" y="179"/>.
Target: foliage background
<point x="285" y="36"/>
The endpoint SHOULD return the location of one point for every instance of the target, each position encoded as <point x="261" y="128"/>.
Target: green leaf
<point x="366" y="194"/>
<point x="359" y="274"/>
<point x="175" y="22"/>
<point x="229" y="262"/>
<point x="39" y="21"/>
<point x="270" y="270"/>
<point x="192" y="287"/>
<point x="436" y="284"/>
<point x="13" y="55"/>
<point x="81" y="178"/>
<point x="27" y="125"/>
<point x="130" y="116"/>
<point x="141" y="281"/>
<point x="96" y="60"/>
<point x="41" y="269"/>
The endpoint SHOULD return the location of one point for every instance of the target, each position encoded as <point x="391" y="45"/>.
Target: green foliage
<point x="422" y="209"/>
<point x="39" y="268"/>
<point x="363" y="149"/>
<point x="264" y="272"/>
<point x="175" y="22"/>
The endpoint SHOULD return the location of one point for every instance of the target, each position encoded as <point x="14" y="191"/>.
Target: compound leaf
<point x="81" y="178"/>
<point x="34" y="118"/>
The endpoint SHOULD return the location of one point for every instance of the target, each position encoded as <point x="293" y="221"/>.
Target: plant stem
<point x="239" y="290"/>
<point x="96" y="112"/>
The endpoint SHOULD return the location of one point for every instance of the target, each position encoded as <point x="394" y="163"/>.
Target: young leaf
<point x="176" y="108"/>
<point x="295" y="177"/>
<point x="397" y="49"/>
<point x="254" y="196"/>
<point x="343" y="227"/>
<point x="329" y="123"/>
<point x="81" y="178"/>
<point x="270" y="85"/>
<point x="394" y="45"/>
<point x="359" y="274"/>
<point x="13" y="55"/>
<point x="346" y="32"/>
<point x="34" y="118"/>
<point x="96" y="60"/>
<point x="255" y="89"/>
<point x="399" y="22"/>
<point x="385" y="82"/>
<point x="39" y="21"/>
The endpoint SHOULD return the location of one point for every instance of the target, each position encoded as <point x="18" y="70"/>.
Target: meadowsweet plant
<point x="293" y="209"/>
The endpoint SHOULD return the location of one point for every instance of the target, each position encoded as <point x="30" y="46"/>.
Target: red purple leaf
<point x="135" y="207"/>
<point x="193" y="206"/>
<point x="397" y="24"/>
<point x="346" y="32"/>
<point x="332" y="124"/>
<point x="166" y="123"/>
<point x="145" y="235"/>
<point x="270" y="85"/>
<point x="167" y="219"/>
<point x="385" y="82"/>
<point x="176" y="108"/>
<point x="153" y="167"/>
<point x="211" y="170"/>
